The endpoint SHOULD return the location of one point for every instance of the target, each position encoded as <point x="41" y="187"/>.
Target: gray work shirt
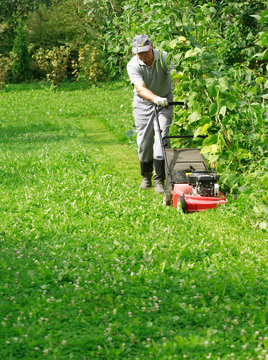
<point x="155" y="77"/>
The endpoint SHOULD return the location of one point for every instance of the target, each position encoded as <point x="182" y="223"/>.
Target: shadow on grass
<point x="43" y="133"/>
<point x="13" y="179"/>
<point x="66" y="86"/>
<point x="90" y="140"/>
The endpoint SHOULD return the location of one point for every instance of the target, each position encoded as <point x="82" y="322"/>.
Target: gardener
<point x="149" y="73"/>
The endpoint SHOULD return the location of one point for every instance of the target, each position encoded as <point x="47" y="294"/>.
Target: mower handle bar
<point x="183" y="137"/>
<point x="176" y="103"/>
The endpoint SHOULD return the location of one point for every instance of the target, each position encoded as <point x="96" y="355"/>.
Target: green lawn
<point x="91" y="267"/>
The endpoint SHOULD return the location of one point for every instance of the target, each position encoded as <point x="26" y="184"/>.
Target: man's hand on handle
<point x="161" y="102"/>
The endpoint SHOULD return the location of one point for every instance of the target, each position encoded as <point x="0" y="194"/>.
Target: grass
<point x="91" y="267"/>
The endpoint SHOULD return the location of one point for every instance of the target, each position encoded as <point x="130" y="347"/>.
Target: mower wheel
<point x="167" y="198"/>
<point x="181" y="204"/>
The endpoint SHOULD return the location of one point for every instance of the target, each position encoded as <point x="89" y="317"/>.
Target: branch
<point x="112" y="6"/>
<point x="222" y="127"/>
<point x="252" y="120"/>
<point x="208" y="96"/>
<point x="255" y="72"/>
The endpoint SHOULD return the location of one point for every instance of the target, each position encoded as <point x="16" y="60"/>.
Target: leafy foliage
<point x="5" y="70"/>
<point x="241" y="25"/>
<point x="10" y="13"/>
<point x="54" y="63"/>
<point x="21" y="64"/>
<point x="88" y="67"/>
<point x="66" y="22"/>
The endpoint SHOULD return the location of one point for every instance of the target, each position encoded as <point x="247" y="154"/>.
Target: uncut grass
<point x="92" y="267"/>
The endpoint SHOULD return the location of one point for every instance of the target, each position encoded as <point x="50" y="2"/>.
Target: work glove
<point x="161" y="102"/>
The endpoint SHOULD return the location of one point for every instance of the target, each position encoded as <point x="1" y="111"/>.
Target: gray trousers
<point x="149" y="146"/>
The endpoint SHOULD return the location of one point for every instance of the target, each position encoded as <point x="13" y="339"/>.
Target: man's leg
<point x="143" y="112"/>
<point x="159" y="176"/>
<point x="146" y="173"/>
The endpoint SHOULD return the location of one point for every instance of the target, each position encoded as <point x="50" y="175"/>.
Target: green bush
<point x="88" y="67"/>
<point x="10" y="11"/>
<point x="63" y="24"/>
<point x="21" y="64"/>
<point x="53" y="63"/>
<point x="5" y="69"/>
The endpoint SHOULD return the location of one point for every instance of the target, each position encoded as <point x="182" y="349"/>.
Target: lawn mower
<point x="190" y="185"/>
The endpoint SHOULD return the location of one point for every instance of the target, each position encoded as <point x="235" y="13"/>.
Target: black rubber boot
<point x="146" y="172"/>
<point x="146" y="181"/>
<point x="159" y="176"/>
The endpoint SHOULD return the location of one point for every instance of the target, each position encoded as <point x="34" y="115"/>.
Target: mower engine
<point x="204" y="183"/>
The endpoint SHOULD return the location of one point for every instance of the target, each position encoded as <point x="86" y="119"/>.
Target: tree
<point x="10" y="12"/>
<point x="60" y="24"/>
<point x="21" y="64"/>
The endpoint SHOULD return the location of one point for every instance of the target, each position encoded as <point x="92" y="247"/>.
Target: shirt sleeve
<point x="133" y="72"/>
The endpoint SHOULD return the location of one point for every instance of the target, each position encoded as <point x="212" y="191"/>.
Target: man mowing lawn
<point x="149" y="73"/>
